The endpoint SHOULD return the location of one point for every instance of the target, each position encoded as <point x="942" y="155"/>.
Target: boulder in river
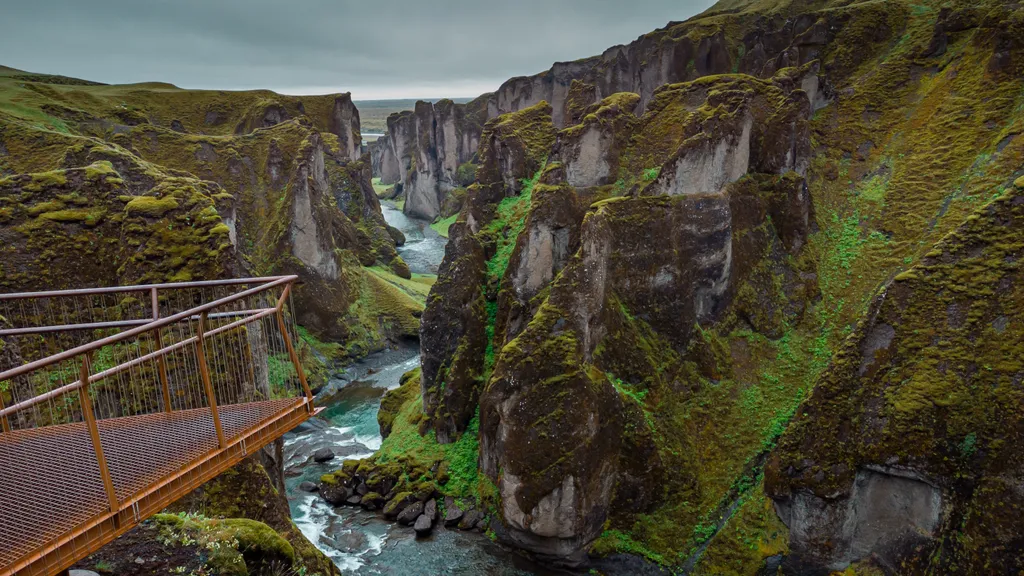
<point x="354" y="500"/>
<point x="309" y="487"/>
<point x="423" y="525"/>
<point x="372" y="501"/>
<point x="337" y="494"/>
<point x="323" y="455"/>
<point x="410" y="513"/>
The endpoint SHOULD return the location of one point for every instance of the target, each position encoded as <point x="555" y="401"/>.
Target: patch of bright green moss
<point x="151" y="206"/>
<point x="442" y="225"/>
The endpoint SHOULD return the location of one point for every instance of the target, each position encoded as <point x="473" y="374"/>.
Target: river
<point x="361" y="542"/>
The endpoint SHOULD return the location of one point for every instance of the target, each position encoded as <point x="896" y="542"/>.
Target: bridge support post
<point x="291" y="348"/>
<point x="94" y="431"/>
<point x="204" y="371"/>
<point x="161" y="362"/>
<point x="5" y="425"/>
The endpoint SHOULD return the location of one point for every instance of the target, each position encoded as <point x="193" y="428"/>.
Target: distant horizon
<point x="385" y="50"/>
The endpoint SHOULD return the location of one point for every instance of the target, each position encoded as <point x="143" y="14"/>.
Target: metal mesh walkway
<point x="87" y="451"/>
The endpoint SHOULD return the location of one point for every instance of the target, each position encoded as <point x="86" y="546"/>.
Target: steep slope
<point x="642" y="288"/>
<point x="287" y="193"/>
<point x="105" y="185"/>
<point x="909" y="447"/>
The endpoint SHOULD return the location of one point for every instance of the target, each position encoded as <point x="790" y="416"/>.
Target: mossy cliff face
<point x="106" y="185"/>
<point x="423" y="150"/>
<point x="922" y="405"/>
<point x="589" y="317"/>
<point x="287" y="194"/>
<point x="724" y="40"/>
<point x="667" y="286"/>
<point x="453" y="335"/>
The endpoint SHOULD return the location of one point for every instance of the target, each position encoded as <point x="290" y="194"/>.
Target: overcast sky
<point x="373" y="48"/>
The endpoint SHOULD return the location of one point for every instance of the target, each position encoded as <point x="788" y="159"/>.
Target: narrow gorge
<point x="744" y="296"/>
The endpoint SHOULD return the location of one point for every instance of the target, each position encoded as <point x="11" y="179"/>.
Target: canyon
<point x="743" y="296"/>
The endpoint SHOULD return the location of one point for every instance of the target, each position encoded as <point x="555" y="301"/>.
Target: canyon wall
<point x="755" y="312"/>
<point x="109" y="185"/>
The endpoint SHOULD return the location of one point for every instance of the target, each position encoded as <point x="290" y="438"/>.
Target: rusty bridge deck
<point x="66" y="489"/>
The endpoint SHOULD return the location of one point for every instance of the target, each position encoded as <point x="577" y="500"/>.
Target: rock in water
<point x="452" y="516"/>
<point x="336" y="495"/>
<point x="323" y="455"/>
<point x="423" y="525"/>
<point x="411" y="512"/>
<point x="354" y="500"/>
<point x="309" y="487"/>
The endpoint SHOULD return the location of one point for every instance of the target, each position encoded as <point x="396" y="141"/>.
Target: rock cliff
<point x="108" y="185"/>
<point x="718" y="298"/>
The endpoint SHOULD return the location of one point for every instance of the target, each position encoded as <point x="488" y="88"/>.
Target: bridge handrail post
<point x="204" y="371"/>
<point x="5" y="425"/>
<point x="291" y="348"/>
<point x="94" y="431"/>
<point x="161" y="362"/>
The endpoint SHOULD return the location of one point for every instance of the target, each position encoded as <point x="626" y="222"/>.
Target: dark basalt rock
<point x="423" y="526"/>
<point x="470" y="519"/>
<point x="323" y="455"/>
<point x="410" y="513"/>
<point x="452" y="516"/>
<point x="337" y="494"/>
<point x="372" y="501"/>
<point x="430" y="510"/>
<point x="398" y="503"/>
<point x="309" y="487"/>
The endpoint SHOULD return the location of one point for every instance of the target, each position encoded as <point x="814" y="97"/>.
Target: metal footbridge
<point x="115" y="402"/>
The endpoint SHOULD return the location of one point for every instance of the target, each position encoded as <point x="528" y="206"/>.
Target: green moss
<point x="442" y="225"/>
<point x="43" y="180"/>
<point x="85" y="216"/>
<point x="101" y="169"/>
<point x="234" y="546"/>
<point x="150" y="206"/>
<point x="751" y="535"/>
<point x="509" y="221"/>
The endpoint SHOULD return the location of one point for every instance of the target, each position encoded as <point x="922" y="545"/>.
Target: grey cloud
<point x="392" y="46"/>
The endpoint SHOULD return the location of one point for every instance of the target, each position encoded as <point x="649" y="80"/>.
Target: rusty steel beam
<point x="291" y="349"/>
<point x="74" y="352"/>
<point x="165" y="384"/>
<point x="204" y="371"/>
<point x="112" y="324"/>
<point x="143" y="287"/>
<point x="94" y="432"/>
<point x="132" y="363"/>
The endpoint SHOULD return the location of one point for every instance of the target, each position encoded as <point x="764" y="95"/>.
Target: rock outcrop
<point x="576" y="292"/>
<point x="681" y="52"/>
<point x="424" y="148"/>
<point x="289" y="194"/>
<point x="664" y="277"/>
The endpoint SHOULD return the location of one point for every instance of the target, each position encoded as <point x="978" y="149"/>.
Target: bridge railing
<point x="124" y="386"/>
